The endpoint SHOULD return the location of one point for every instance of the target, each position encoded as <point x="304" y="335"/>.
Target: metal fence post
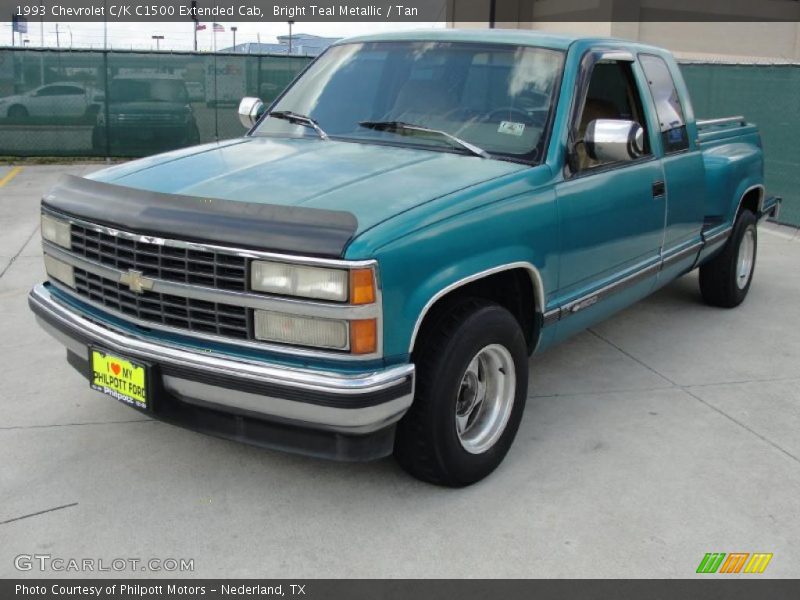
<point x="106" y="101"/>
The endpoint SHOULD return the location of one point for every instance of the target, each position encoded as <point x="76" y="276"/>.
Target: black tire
<point x="427" y="444"/>
<point x="17" y="112"/>
<point x="720" y="283"/>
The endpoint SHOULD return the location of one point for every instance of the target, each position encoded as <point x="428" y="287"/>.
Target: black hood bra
<point x="265" y="227"/>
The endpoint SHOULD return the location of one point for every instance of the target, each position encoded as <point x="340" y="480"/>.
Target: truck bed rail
<point x="706" y="123"/>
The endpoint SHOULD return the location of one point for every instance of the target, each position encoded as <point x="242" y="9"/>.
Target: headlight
<point x="60" y="270"/>
<point x="56" y="231"/>
<point x="303" y="331"/>
<point x="319" y="283"/>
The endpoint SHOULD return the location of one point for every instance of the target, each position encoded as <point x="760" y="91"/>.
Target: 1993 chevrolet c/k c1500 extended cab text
<point x="368" y="269"/>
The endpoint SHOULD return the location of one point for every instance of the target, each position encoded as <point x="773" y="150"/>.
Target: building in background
<point x="303" y="44"/>
<point x="684" y="27"/>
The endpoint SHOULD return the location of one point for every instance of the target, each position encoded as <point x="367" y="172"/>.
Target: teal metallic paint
<point x="435" y="219"/>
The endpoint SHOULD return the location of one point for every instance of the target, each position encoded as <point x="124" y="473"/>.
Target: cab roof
<point x="517" y="37"/>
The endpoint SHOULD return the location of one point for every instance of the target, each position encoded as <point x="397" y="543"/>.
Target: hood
<point x="372" y="182"/>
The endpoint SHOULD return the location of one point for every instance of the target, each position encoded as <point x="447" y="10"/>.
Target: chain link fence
<point x="127" y="104"/>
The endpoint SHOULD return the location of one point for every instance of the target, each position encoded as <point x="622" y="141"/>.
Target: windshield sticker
<point x="511" y="128"/>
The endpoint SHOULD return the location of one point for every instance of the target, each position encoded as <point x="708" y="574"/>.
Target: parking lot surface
<point x="664" y="433"/>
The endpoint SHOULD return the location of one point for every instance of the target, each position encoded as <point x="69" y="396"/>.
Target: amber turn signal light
<point x="362" y="286"/>
<point x="363" y="336"/>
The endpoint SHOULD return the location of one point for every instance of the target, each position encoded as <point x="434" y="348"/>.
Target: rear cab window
<point x="669" y="110"/>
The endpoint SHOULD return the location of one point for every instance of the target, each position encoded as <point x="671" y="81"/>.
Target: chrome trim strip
<point x="762" y="190"/>
<point x="306" y="308"/>
<point x="536" y="280"/>
<point x="344" y="420"/>
<point x="668" y="259"/>
<point x="600" y="294"/>
<point x="231" y="250"/>
<point x="305" y="379"/>
<point x="717" y="236"/>
<point x="550" y="317"/>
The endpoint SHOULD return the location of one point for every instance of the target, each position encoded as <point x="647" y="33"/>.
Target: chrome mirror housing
<point x="614" y="140"/>
<point x="250" y="110"/>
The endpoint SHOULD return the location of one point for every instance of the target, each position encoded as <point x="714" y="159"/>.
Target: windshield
<point x="497" y="97"/>
<point x="140" y="90"/>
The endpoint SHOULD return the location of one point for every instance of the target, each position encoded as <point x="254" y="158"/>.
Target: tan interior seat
<point x="594" y="109"/>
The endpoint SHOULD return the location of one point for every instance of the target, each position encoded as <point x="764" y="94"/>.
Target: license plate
<point x="119" y="378"/>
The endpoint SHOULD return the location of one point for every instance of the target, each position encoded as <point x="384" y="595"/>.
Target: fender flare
<point x="533" y="272"/>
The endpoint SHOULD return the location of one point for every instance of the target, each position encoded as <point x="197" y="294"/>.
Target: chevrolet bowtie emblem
<point x="136" y="281"/>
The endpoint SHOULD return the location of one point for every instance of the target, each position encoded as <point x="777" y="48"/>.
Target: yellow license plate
<point x="119" y="378"/>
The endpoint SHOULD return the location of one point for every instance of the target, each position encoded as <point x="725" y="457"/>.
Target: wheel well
<point x="751" y="201"/>
<point x="512" y="289"/>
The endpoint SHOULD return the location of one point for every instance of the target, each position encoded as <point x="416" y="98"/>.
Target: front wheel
<point x="725" y="280"/>
<point x="472" y="378"/>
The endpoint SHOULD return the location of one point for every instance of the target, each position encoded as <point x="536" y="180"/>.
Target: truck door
<point x="612" y="214"/>
<point x="684" y="170"/>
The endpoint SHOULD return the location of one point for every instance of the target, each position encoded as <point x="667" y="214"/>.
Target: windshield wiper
<point x="401" y="128"/>
<point x="298" y="119"/>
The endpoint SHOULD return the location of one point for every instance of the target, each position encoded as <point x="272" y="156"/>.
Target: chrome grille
<point x="164" y="309"/>
<point x="183" y="265"/>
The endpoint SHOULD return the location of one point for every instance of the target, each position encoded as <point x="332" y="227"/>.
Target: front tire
<point x="472" y="379"/>
<point x="725" y="279"/>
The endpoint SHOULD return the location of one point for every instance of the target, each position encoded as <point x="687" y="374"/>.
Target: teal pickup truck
<point x="366" y="272"/>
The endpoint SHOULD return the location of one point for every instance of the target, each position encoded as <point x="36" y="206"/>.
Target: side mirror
<point x="250" y="110"/>
<point x="614" y="140"/>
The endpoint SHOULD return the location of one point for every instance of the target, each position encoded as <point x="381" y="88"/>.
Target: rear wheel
<point x="725" y="280"/>
<point x="472" y="377"/>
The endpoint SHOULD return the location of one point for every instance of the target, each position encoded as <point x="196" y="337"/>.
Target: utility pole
<point x="58" y="39"/>
<point x="233" y="29"/>
<point x="105" y="24"/>
<point x="195" y="22"/>
<point x="290" y="36"/>
<point x="158" y="39"/>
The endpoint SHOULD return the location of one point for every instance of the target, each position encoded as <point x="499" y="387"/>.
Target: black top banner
<point x="491" y="12"/>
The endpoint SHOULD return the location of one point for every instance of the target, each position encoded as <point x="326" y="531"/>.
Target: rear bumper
<point x="770" y="208"/>
<point x="348" y="417"/>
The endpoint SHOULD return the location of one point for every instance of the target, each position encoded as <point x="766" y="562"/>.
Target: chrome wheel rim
<point x="485" y="398"/>
<point x="746" y="258"/>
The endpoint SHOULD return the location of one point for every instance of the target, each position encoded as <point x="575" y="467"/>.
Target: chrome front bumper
<point x="349" y="404"/>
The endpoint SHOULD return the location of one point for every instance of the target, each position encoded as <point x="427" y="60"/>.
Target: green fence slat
<point x="53" y="102"/>
<point x="768" y="95"/>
